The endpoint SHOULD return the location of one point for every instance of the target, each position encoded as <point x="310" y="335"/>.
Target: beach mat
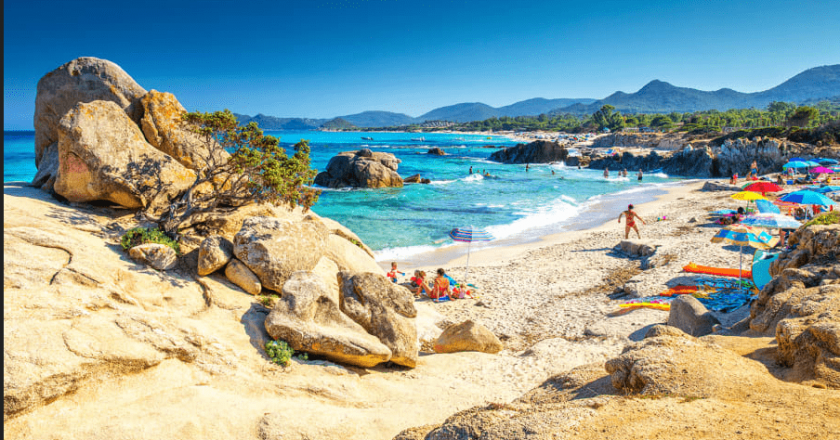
<point x="723" y="272"/>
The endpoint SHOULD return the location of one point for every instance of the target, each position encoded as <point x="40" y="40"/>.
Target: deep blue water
<point x="513" y="204"/>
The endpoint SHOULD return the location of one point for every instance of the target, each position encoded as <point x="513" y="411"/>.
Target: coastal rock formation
<point x="574" y="161"/>
<point x="691" y="316"/>
<point x="348" y="256"/>
<point x="801" y="306"/>
<point x="384" y="309"/>
<point x="84" y="79"/>
<point x="342" y="231"/>
<point x="239" y="274"/>
<point x="417" y="179"/>
<point x="159" y="256"/>
<point x="161" y="123"/>
<point x="437" y="151"/>
<point x="535" y="152"/>
<point x="636" y="248"/>
<point x="309" y="320"/>
<point x="361" y="169"/>
<point x="719" y="186"/>
<point x="103" y="156"/>
<point x="274" y="248"/>
<point x="670" y="386"/>
<point x="645" y="140"/>
<point x="213" y="254"/>
<point x="468" y="336"/>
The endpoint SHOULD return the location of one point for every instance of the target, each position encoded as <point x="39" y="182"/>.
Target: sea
<point x="411" y="224"/>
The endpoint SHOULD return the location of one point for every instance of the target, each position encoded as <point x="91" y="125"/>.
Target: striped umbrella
<point x="743" y="235"/>
<point x="469" y="235"/>
<point x="771" y="221"/>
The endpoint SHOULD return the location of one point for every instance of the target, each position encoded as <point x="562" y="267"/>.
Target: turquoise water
<point x="400" y="223"/>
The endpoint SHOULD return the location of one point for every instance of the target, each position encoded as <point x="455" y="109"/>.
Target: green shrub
<point x="137" y="236"/>
<point x="279" y="351"/>
<point x="826" y="218"/>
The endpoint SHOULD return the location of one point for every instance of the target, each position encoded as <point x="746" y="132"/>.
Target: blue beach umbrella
<point x="828" y="162"/>
<point x="469" y="234"/>
<point x="795" y="164"/>
<point x="823" y="189"/>
<point x="766" y="207"/>
<point x="805" y="197"/>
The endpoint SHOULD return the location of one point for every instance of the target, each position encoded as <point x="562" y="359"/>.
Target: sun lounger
<point x="696" y="268"/>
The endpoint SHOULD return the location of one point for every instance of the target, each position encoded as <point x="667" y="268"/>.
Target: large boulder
<point x="159" y="256"/>
<point x="274" y="248"/>
<point x="691" y="316"/>
<point x="636" y="248"/>
<point x="103" y="156"/>
<point x="535" y="152"/>
<point x="361" y="169"/>
<point x="161" y="123"/>
<point x="309" y="320"/>
<point x="84" y="79"/>
<point x="213" y="254"/>
<point x="239" y="274"/>
<point x="436" y="151"/>
<point x="384" y="309"/>
<point x="349" y="256"/>
<point x="468" y="336"/>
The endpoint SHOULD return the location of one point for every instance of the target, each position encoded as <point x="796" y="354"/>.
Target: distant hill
<point x="378" y="119"/>
<point x="662" y="97"/>
<point x="538" y="106"/>
<point x="274" y="123"/>
<point x="337" y="124"/>
<point x="477" y="111"/>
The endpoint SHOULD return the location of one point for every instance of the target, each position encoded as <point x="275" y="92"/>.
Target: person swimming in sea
<point x="630" y="221"/>
<point x="640" y="175"/>
<point x="606" y="173"/>
<point x="527" y="166"/>
<point x="470" y="169"/>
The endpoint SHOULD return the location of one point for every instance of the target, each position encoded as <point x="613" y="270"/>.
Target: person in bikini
<point x="441" y="288"/>
<point x="420" y="280"/>
<point x="631" y="221"/>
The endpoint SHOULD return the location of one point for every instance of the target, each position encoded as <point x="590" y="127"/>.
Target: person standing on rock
<point x="630" y="222"/>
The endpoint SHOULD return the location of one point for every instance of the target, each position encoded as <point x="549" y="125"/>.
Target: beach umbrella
<point x="765" y="207"/>
<point x="469" y="234"/>
<point x="823" y="189"/>
<point x="747" y="195"/>
<point x="723" y="212"/>
<point x="805" y="197"/>
<point x="828" y="162"/>
<point x="742" y="236"/>
<point x="822" y="170"/>
<point x="771" y="221"/>
<point x="763" y="187"/>
<point x="795" y="164"/>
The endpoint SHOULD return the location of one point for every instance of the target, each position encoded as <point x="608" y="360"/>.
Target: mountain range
<point x="655" y="97"/>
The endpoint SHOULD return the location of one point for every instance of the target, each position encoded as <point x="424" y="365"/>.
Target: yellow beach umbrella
<point x="748" y="196"/>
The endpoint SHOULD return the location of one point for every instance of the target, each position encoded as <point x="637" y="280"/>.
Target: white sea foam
<point x="403" y="253"/>
<point x="473" y="178"/>
<point x="557" y="212"/>
<point x="441" y="182"/>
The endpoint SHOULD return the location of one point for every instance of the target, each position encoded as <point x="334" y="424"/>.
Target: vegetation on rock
<point x="137" y="236"/>
<point x="279" y="351"/>
<point x="826" y="218"/>
<point x="257" y="170"/>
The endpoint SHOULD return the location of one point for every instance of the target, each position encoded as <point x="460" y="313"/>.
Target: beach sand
<point x="570" y="285"/>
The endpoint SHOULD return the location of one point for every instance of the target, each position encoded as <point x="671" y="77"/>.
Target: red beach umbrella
<point x="763" y="187"/>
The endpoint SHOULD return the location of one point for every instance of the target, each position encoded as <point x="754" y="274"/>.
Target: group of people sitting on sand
<point x="442" y="288"/>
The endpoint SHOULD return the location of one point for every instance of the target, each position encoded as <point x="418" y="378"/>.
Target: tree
<point x="802" y="116"/>
<point x="256" y="170"/>
<point x="661" y="121"/>
<point x="606" y="118"/>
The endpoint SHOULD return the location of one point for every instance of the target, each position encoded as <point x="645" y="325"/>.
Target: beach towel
<point x="650" y="302"/>
<point x="696" y="268"/>
<point x="680" y="290"/>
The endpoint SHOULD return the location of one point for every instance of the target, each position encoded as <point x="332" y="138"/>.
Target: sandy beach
<point x="564" y="285"/>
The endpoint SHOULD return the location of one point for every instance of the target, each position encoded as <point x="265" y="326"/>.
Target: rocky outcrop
<point x="801" y="306"/>
<point x="636" y="248"/>
<point x="361" y="169"/>
<point x="309" y="320"/>
<point x="349" y="256"/>
<point x="719" y="186"/>
<point x="159" y="256"/>
<point x="84" y="79"/>
<point x="384" y="309"/>
<point x="575" y="161"/>
<point x="417" y="179"/>
<point x="691" y="316"/>
<point x="468" y="336"/>
<point x="161" y="123"/>
<point x="213" y="254"/>
<point x="645" y="140"/>
<point x="535" y="152"/>
<point x="239" y="274"/>
<point x="103" y="156"/>
<point x="436" y="151"/>
<point x="275" y="248"/>
<point x="672" y="379"/>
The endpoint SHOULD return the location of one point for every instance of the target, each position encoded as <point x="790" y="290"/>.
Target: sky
<point x="323" y="59"/>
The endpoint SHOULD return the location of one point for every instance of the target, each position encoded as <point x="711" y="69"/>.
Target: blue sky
<point x="331" y="58"/>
